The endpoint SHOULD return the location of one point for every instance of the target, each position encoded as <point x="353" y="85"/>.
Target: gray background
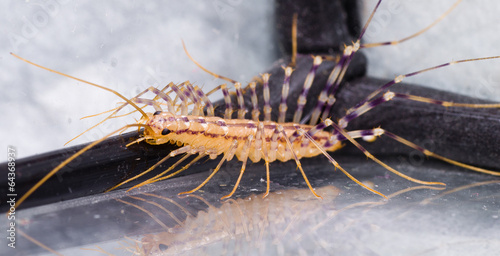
<point x="130" y="46"/>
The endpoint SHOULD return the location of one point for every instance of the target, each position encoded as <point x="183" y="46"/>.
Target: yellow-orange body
<point x="219" y="134"/>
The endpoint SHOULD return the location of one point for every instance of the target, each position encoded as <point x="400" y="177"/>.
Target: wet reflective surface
<point x="462" y="219"/>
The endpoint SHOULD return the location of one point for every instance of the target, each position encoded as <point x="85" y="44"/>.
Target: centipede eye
<point x="165" y="131"/>
<point x="157" y="113"/>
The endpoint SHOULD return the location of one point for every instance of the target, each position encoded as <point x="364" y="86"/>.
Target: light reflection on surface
<point x="416" y="220"/>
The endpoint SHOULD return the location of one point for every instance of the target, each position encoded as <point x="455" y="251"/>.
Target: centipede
<point x="183" y="115"/>
<point x="260" y="138"/>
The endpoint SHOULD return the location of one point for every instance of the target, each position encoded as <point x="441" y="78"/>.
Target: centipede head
<point x="161" y="126"/>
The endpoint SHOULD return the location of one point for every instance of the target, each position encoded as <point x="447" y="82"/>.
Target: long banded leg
<point x="323" y="96"/>
<point x="339" y="71"/>
<point x="335" y="79"/>
<point x="355" y="112"/>
<point x="197" y="108"/>
<point x="227" y="155"/>
<point x="204" y="98"/>
<point x="180" y="94"/>
<point x="246" y="151"/>
<point x="297" y="161"/>
<point x="267" y="97"/>
<point x="431" y="154"/>
<point x="302" y="100"/>
<point x="330" y="158"/>
<point x="341" y="131"/>
<point x="241" y="103"/>
<point x="395" y="42"/>
<point x="400" y="78"/>
<point x="284" y="94"/>
<point x="255" y="102"/>
<point x="227" y="99"/>
<point x="337" y="74"/>
<point x="369" y="134"/>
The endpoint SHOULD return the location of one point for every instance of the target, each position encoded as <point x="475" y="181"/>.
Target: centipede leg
<point x="341" y="131"/>
<point x="338" y="72"/>
<point x="302" y="100"/>
<point x="330" y="158"/>
<point x="434" y="155"/>
<point x="268" y="178"/>
<point x="245" y="151"/>
<point x="360" y="109"/>
<point x="299" y="165"/>
<point x="284" y="94"/>
<point x="228" y="155"/>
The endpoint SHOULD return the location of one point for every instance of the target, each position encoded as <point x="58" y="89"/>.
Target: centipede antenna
<point x="68" y="160"/>
<point x="204" y="69"/>
<point x="136" y="99"/>
<point x="87" y="82"/>
<point x="370" y="45"/>
<point x="302" y="100"/>
<point x="102" y="113"/>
